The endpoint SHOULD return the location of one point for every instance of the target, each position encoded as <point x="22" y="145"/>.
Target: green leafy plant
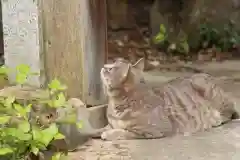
<point x="223" y="40"/>
<point x="181" y="46"/>
<point x="22" y="134"/>
<point x="208" y="35"/>
<point x="229" y="38"/>
<point x="161" y="36"/>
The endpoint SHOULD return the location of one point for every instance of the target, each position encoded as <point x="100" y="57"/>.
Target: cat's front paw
<point x="110" y="136"/>
<point x="104" y="136"/>
<point x="115" y="134"/>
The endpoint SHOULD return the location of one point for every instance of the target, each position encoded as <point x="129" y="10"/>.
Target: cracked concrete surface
<point x="218" y="144"/>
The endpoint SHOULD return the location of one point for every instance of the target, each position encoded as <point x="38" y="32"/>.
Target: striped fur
<point x="182" y="106"/>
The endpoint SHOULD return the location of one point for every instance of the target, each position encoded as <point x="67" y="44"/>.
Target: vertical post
<point x="98" y="15"/>
<point x="21" y="37"/>
<point x="1" y="35"/>
<point x="74" y="44"/>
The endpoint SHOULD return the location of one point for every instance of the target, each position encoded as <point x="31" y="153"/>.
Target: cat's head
<point x="121" y="75"/>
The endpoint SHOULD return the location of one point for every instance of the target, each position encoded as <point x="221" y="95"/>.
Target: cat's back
<point x="141" y="100"/>
<point x="190" y="86"/>
<point x="145" y="94"/>
<point x="196" y="102"/>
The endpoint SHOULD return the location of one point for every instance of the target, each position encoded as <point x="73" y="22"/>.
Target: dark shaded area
<point x="1" y="32"/>
<point x="140" y="10"/>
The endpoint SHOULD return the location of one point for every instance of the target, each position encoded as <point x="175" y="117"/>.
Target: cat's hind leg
<point x="223" y="101"/>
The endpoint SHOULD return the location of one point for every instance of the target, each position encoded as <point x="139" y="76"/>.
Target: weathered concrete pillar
<point x="59" y="39"/>
<point x="21" y="36"/>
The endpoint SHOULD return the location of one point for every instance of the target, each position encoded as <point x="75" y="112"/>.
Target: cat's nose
<point x="103" y="70"/>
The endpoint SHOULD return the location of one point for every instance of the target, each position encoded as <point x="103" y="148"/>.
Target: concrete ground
<point x="216" y="144"/>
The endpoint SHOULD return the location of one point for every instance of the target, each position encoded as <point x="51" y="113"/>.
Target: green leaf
<point x="21" y="111"/>
<point x="184" y="47"/>
<point x="10" y="131"/>
<point x="22" y="147"/>
<point x="59" y="136"/>
<point x="28" y="108"/>
<point x="24" y="136"/>
<point x="21" y="78"/>
<point x="162" y="29"/>
<point x="23" y="72"/>
<point x="4" y="119"/>
<point x="4" y="151"/>
<point x="56" y="85"/>
<point x="58" y="156"/>
<point x="49" y="133"/>
<point x="19" y="134"/>
<point x="60" y="100"/>
<point x="9" y="101"/>
<point x="215" y="31"/>
<point x="79" y="124"/>
<point x="159" y="38"/>
<point x="37" y="134"/>
<point x="24" y="126"/>
<point x="23" y="69"/>
<point x="4" y="70"/>
<point x="52" y="130"/>
<point x="50" y="103"/>
<point x="218" y="49"/>
<point x="34" y="150"/>
<point x="46" y="139"/>
<point x="37" y="138"/>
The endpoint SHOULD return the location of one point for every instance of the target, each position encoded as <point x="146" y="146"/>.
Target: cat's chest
<point x="128" y="114"/>
<point x="121" y="115"/>
<point x="119" y="111"/>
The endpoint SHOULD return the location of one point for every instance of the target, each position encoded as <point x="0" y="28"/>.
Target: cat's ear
<point x="140" y="64"/>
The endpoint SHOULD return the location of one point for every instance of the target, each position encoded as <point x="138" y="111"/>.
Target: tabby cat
<point x="181" y="106"/>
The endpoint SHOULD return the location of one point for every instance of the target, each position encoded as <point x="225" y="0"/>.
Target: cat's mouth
<point x="106" y="70"/>
<point x="104" y="74"/>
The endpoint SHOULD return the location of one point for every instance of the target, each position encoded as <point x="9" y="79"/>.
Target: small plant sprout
<point x="161" y="36"/>
<point x="181" y="46"/>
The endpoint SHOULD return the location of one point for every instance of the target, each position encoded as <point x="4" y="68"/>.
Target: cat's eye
<point x="109" y="69"/>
